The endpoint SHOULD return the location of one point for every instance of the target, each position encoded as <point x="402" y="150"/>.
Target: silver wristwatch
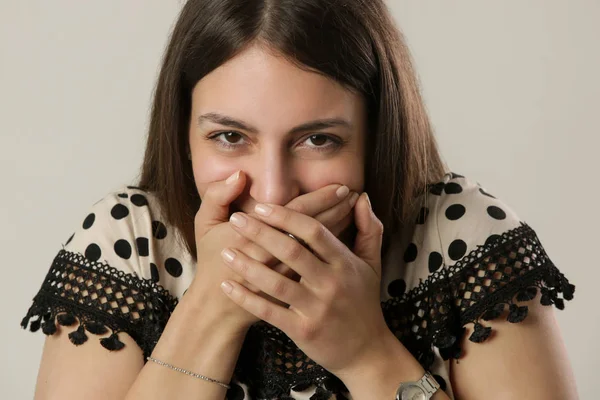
<point x="422" y="389"/>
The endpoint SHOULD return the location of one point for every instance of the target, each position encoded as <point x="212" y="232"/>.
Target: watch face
<point x="413" y="392"/>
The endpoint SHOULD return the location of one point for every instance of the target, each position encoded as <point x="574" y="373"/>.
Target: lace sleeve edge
<point x="52" y="306"/>
<point x="547" y="279"/>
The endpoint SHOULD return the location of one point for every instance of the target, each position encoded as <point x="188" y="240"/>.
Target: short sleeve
<point x="96" y="281"/>
<point x="493" y="262"/>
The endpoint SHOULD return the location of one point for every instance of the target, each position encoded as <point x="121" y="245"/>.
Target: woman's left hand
<point x="334" y="312"/>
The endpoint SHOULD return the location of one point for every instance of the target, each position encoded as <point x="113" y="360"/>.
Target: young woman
<point x="295" y="234"/>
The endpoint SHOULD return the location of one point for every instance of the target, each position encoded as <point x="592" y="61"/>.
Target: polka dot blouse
<point x="462" y="244"/>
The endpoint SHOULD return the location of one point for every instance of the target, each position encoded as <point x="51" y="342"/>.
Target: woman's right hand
<point x="213" y="233"/>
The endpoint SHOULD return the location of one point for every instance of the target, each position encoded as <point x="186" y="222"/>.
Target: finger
<point x="317" y="237"/>
<point x="214" y="208"/>
<point x="340" y="212"/>
<point x="320" y="200"/>
<point x="283" y="247"/>
<point x="283" y="318"/>
<point x="310" y="204"/>
<point x="367" y="244"/>
<point x="338" y="228"/>
<point x="265" y="279"/>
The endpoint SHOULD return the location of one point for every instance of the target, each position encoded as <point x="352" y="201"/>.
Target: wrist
<point x="195" y="322"/>
<point x="382" y="368"/>
<point x="203" y="309"/>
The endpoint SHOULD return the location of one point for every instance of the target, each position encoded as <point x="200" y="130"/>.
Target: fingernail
<point x="237" y="219"/>
<point x="226" y="286"/>
<point x="228" y="255"/>
<point x="368" y="200"/>
<point x="233" y="178"/>
<point x="342" y="191"/>
<point x="353" y="199"/>
<point x="263" y="209"/>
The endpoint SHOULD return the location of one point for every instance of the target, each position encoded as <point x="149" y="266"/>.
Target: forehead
<point x="258" y="84"/>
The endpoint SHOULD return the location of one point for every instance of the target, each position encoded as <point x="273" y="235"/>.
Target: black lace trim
<point x="101" y="299"/>
<point x="480" y="286"/>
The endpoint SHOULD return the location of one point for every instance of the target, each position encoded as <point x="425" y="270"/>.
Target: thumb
<point x="367" y="244"/>
<point x="214" y="208"/>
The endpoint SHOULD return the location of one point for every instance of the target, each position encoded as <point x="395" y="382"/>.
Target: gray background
<point x="511" y="87"/>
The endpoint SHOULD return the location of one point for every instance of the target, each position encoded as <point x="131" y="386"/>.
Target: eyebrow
<point x="318" y="124"/>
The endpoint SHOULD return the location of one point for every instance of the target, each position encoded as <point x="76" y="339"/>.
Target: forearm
<point x="379" y="376"/>
<point x="197" y="340"/>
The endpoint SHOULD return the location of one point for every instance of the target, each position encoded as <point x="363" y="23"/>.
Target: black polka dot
<point x="435" y="261"/>
<point x="159" y="230"/>
<point x="123" y="248"/>
<point x="453" y="188"/>
<point x="139" y="200"/>
<point x="483" y="192"/>
<point x="123" y="195"/>
<point x="437" y="188"/>
<point x="423" y="214"/>
<point x="457" y="249"/>
<point x="496" y="212"/>
<point x="119" y="211"/>
<point x="455" y="175"/>
<point x="397" y="287"/>
<point x="142" y="246"/>
<point x="89" y="221"/>
<point x="173" y="267"/>
<point x="411" y="252"/>
<point x="69" y="241"/>
<point x="154" y="272"/>
<point x="93" y="252"/>
<point x="455" y="211"/>
<point x="440" y="381"/>
<point x="491" y="239"/>
<point x="235" y="392"/>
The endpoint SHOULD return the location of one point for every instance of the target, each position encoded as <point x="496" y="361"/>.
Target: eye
<point x="225" y="142"/>
<point x="319" y="141"/>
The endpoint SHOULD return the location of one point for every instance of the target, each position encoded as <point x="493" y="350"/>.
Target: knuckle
<point x="210" y="193"/>
<point x="317" y="232"/>
<point x="280" y="288"/>
<point x="301" y="208"/>
<point x="256" y="230"/>
<point x="294" y="250"/>
<point x="285" y="216"/>
<point x="242" y="266"/>
<point x="265" y="312"/>
<point x="308" y="330"/>
<point x="242" y="298"/>
<point x="380" y="227"/>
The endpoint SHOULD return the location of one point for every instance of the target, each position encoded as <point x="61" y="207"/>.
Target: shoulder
<point x="466" y="215"/>
<point x="127" y="230"/>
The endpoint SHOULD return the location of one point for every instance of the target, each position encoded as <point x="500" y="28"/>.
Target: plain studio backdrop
<point x="511" y="87"/>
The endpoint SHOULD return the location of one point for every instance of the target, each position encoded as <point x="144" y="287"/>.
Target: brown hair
<point x="354" y="42"/>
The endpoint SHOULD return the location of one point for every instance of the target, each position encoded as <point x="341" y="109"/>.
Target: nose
<point x="272" y="179"/>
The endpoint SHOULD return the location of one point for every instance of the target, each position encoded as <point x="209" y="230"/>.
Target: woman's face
<point x="249" y="114"/>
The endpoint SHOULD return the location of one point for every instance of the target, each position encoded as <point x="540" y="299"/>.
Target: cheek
<point x="348" y="171"/>
<point x="210" y="169"/>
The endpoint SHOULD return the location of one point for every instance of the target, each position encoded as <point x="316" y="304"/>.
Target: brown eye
<point x="229" y="135"/>
<point x="318" y="140"/>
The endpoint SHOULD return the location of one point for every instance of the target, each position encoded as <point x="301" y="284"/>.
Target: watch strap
<point x="427" y="384"/>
